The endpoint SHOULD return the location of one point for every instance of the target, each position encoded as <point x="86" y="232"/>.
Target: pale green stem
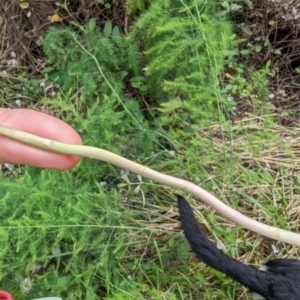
<point x="186" y="186"/>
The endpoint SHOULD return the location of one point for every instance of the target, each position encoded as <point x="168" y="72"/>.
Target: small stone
<point x="18" y="103"/>
<point x="172" y="152"/>
<point x="271" y="96"/>
<point x="26" y="285"/>
<point x="220" y="245"/>
<point x="275" y="250"/>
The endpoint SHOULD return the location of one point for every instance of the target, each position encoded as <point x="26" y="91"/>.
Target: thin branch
<point x="186" y="186"/>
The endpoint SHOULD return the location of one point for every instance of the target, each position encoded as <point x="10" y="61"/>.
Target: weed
<point x="184" y="53"/>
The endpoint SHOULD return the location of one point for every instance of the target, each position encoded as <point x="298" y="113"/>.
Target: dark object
<point x="279" y="281"/>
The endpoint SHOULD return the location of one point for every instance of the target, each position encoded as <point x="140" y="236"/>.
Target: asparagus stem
<point x="184" y="185"/>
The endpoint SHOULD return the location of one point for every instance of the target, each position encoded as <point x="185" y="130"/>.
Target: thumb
<point x="43" y="125"/>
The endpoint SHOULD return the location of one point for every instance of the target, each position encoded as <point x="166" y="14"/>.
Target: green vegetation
<point x="158" y="96"/>
<point x="184" y="46"/>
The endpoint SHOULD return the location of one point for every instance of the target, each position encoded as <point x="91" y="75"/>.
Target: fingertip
<point x="42" y="125"/>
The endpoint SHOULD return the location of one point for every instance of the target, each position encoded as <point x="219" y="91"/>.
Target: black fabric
<point x="281" y="281"/>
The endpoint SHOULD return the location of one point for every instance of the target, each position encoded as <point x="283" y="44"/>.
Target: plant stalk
<point x="184" y="185"/>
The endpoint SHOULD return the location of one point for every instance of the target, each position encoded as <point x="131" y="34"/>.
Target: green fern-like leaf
<point x="184" y="46"/>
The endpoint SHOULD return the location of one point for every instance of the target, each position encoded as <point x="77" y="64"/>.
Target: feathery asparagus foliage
<point x="97" y="68"/>
<point x="184" y="45"/>
<point x="74" y="69"/>
<point x="79" y="222"/>
<point x="136" y="5"/>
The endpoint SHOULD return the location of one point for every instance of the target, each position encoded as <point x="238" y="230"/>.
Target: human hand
<point x="43" y="125"/>
<point x="5" y="296"/>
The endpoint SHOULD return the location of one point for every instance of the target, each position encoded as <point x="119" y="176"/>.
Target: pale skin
<point x="12" y="151"/>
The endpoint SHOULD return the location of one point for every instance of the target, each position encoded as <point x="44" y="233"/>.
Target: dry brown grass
<point x="275" y="26"/>
<point x="22" y="29"/>
<point x="275" y="195"/>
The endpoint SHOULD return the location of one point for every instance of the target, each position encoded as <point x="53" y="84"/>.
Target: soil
<point x="272" y="25"/>
<point x="22" y="28"/>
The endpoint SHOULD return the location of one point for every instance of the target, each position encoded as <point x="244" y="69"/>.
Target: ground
<point x="250" y="160"/>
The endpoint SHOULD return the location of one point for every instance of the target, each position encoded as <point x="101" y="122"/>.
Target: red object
<point x="5" y="296"/>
